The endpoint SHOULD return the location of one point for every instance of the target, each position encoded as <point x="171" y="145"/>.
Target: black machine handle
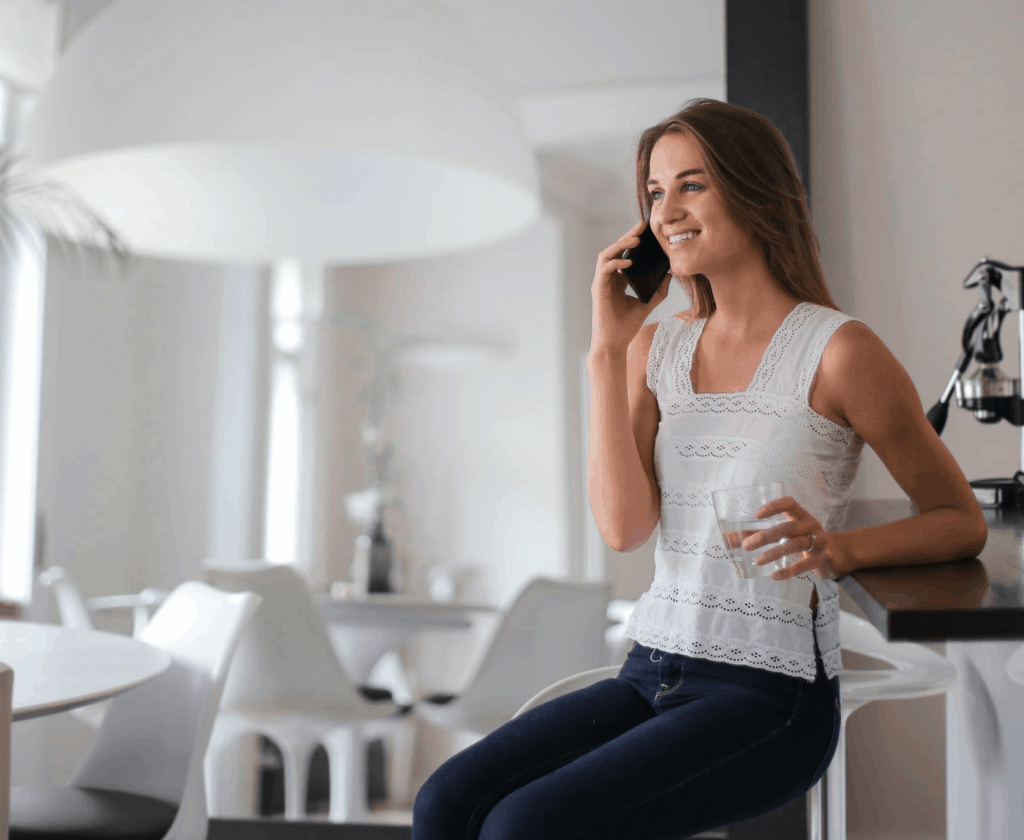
<point x="979" y="340"/>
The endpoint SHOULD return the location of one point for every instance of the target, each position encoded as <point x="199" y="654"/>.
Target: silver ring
<point x="811" y="549"/>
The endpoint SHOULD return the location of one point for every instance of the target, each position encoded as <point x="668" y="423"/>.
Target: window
<point x="22" y="286"/>
<point x="296" y="297"/>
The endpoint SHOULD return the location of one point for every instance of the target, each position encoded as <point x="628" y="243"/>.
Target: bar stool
<point x="916" y="672"/>
<point x="1015" y="666"/>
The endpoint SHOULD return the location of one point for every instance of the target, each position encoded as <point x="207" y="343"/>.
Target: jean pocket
<point x="837" y="722"/>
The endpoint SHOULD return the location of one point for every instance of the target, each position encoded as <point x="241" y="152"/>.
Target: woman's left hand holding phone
<point x="617" y="317"/>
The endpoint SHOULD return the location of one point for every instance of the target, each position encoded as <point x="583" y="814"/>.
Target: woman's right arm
<point x="624" y="494"/>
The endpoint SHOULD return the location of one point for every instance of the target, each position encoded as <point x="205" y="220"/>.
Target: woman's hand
<point x="618" y="316"/>
<point x="798" y="529"/>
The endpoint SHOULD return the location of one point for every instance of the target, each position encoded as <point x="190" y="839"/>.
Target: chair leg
<point x="296" y="756"/>
<point x="230" y="768"/>
<point x="346" y="757"/>
<point x="400" y="755"/>
<point x="399" y="736"/>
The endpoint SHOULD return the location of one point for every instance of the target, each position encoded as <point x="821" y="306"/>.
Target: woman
<point x="728" y="704"/>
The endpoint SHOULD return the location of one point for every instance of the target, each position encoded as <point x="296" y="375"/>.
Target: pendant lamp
<point x="340" y="131"/>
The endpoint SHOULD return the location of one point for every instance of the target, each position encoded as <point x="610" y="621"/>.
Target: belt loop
<point x="652" y="656"/>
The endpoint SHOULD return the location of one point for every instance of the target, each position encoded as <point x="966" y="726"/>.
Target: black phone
<point x="649" y="267"/>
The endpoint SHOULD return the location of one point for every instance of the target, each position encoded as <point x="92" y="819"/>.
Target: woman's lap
<point x="668" y="759"/>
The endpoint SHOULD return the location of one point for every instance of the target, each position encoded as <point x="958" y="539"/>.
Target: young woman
<point x="728" y="704"/>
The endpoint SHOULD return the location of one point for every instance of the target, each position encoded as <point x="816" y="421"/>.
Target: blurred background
<point x="184" y="408"/>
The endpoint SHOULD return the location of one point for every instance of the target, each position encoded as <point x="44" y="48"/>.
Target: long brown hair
<point x="752" y="165"/>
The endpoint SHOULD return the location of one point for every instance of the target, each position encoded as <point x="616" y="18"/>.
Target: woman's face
<point x="688" y="215"/>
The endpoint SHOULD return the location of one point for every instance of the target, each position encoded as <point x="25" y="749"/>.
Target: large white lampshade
<point x="341" y="131"/>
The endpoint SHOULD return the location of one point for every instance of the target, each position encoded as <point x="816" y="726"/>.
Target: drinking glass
<point x="736" y="509"/>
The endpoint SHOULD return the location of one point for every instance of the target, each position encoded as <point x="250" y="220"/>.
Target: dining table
<point x="975" y="606"/>
<point x="58" y="668"/>
<point x="367" y="628"/>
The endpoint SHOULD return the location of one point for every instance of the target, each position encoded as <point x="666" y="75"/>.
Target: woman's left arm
<point x="878" y="399"/>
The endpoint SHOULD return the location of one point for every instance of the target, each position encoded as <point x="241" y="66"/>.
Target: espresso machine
<point x="988" y="392"/>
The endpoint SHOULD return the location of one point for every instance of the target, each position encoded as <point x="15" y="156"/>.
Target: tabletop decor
<point x="377" y="562"/>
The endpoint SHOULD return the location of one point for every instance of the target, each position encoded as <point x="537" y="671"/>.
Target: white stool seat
<point x="1015" y="666"/>
<point x="916" y="672"/>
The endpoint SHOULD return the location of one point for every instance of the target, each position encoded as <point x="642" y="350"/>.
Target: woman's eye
<point x="656" y="194"/>
<point x="697" y="187"/>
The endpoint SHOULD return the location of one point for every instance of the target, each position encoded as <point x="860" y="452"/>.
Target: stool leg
<point x="835" y="789"/>
<point x="816" y="814"/>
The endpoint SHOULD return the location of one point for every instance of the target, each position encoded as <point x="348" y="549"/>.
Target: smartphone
<point x="650" y="265"/>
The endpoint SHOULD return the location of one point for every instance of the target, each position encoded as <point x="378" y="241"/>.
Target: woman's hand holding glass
<point x="805" y="536"/>
<point x="617" y="317"/>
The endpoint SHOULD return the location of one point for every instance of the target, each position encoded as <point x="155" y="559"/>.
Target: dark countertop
<point x="973" y="599"/>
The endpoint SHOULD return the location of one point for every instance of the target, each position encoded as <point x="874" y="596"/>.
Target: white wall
<point x="481" y="451"/>
<point x="126" y="447"/>
<point x="916" y="139"/>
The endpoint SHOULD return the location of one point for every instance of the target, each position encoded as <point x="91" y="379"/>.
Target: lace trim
<point x="826" y="627"/>
<point x="765" y="404"/>
<point x="817" y="347"/>
<point x="698" y="496"/>
<point x="789" y="327"/>
<point x="793" y="323"/>
<point x="838" y="477"/>
<point x="732" y="651"/>
<point x="755" y="400"/>
<point x="662" y="336"/>
<point x="766" y="607"/>
<point x="702" y="546"/>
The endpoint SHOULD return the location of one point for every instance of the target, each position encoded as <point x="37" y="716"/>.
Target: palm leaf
<point x="28" y="199"/>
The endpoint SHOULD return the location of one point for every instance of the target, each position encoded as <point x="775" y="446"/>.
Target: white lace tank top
<point x="697" y="604"/>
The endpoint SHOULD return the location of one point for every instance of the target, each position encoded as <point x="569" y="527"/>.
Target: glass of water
<point x="736" y="509"/>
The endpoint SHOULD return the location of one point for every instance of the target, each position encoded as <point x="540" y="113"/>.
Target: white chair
<point x="143" y="773"/>
<point x="287" y="684"/>
<point x="6" y="694"/>
<point x="551" y="629"/>
<point x="916" y="672"/>
<point x="75" y="612"/>
<point x="1015" y="666"/>
<point x="615" y="639"/>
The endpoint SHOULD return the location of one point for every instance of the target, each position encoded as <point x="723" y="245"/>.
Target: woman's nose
<point x="673" y="208"/>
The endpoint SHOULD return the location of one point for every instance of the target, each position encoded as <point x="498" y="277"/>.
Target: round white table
<point x="57" y="669"/>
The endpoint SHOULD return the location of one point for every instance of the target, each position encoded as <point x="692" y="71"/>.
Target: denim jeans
<point x="674" y="746"/>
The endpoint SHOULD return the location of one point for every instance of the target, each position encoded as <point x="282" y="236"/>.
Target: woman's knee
<point x="435" y="806"/>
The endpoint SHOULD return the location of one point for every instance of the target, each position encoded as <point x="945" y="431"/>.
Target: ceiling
<point x="589" y="75"/>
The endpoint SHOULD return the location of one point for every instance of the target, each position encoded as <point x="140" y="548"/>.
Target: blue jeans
<point x="674" y="746"/>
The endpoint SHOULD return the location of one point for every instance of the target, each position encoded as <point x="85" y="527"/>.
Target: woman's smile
<point x="688" y="215"/>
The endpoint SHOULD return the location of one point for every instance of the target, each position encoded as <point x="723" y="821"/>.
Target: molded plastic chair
<point x="143" y="773"/>
<point x="616" y="642"/>
<point x="1015" y="666"/>
<point x="6" y="699"/>
<point x="551" y="629"/>
<point x="287" y="684"/>
<point x="916" y="672"/>
<point x="75" y="612"/>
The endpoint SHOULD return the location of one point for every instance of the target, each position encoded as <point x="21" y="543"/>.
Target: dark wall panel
<point x="766" y="67"/>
